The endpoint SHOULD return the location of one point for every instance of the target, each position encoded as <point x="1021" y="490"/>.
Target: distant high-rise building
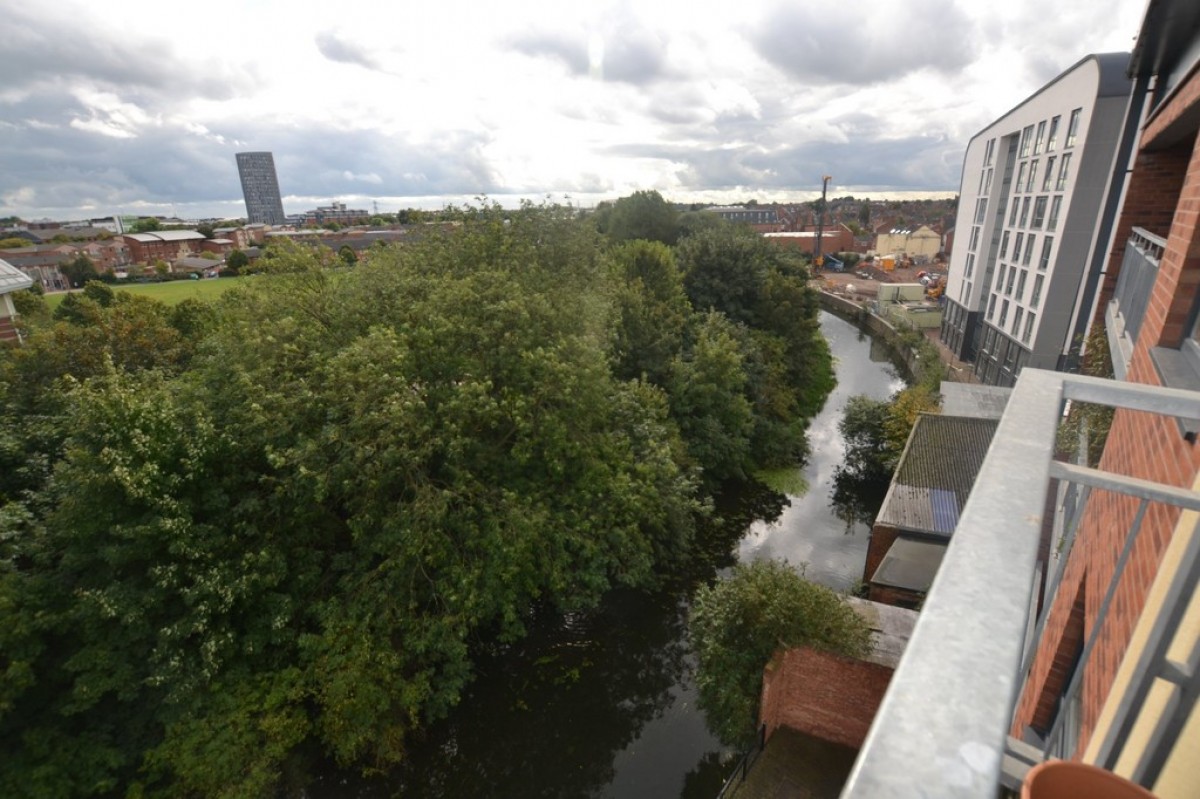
<point x="261" y="188"/>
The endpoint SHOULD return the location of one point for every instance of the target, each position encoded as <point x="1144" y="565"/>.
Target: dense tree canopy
<point x="232" y="533"/>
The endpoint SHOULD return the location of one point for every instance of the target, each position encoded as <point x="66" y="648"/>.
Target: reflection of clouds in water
<point x="807" y="532"/>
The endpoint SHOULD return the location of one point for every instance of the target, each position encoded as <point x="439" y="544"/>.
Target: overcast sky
<point x="139" y="107"/>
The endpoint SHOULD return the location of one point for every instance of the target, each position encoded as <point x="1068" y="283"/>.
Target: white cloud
<point x="590" y="98"/>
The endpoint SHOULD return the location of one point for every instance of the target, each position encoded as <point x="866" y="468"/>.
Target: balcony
<point x="1123" y="317"/>
<point x="943" y="727"/>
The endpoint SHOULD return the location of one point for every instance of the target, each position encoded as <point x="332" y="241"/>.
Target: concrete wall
<point x="828" y="696"/>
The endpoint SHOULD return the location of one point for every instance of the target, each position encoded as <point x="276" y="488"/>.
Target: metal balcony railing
<point x="1139" y="269"/>
<point x="943" y="726"/>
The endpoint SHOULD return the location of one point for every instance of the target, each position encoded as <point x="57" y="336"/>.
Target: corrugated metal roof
<point x="936" y="473"/>
<point x="13" y="279"/>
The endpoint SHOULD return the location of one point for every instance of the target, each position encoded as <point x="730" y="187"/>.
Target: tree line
<point x="233" y="534"/>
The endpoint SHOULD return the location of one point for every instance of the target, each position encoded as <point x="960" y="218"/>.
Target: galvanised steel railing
<point x="943" y="725"/>
<point x="1139" y="270"/>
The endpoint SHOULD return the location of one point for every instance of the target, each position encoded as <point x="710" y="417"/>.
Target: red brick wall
<point x="897" y="597"/>
<point x="882" y="537"/>
<point x="1140" y="444"/>
<point x="8" y="330"/>
<point x="828" y="696"/>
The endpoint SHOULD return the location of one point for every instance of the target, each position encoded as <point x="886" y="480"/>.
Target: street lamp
<point x="818" y="258"/>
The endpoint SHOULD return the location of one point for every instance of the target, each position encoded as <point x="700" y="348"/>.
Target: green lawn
<point x="171" y="293"/>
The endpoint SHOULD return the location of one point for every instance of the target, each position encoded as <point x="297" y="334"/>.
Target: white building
<point x="1040" y="189"/>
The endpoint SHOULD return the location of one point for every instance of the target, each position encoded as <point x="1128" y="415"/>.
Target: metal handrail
<point x="943" y="723"/>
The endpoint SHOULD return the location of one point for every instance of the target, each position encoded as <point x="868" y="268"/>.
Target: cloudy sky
<point x="139" y="107"/>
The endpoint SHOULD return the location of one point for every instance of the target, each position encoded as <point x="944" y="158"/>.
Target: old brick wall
<point x="882" y="537"/>
<point x="828" y="696"/>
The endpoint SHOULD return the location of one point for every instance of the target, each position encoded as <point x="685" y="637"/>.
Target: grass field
<point x="171" y="293"/>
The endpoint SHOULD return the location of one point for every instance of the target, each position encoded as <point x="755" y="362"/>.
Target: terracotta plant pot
<point x="1059" y="779"/>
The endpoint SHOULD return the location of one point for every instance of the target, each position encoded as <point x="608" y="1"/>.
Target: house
<point x="11" y="279"/>
<point x="164" y="245"/>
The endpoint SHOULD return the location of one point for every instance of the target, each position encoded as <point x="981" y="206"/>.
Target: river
<point x="602" y="704"/>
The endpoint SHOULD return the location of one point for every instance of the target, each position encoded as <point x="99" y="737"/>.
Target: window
<point x="1029" y="320"/>
<point x="1018" y="317"/>
<point x="1017" y="246"/>
<point x="1033" y="165"/>
<point x="1021" y="285"/>
<point x="970" y="265"/>
<point x="1012" y="277"/>
<point x="1049" y="176"/>
<point x="1037" y="291"/>
<point x="974" y="245"/>
<point x="1055" y="205"/>
<point x="1044" y="261"/>
<point x="1003" y="313"/>
<point x="1000" y="277"/>
<point x="1004" y="244"/>
<point x="1028" y="256"/>
<point x="1012" y="216"/>
<point x="1073" y="128"/>
<point x="988" y="152"/>
<point x="1027" y="140"/>
<point x="1052" y="142"/>
<point x="987" y="184"/>
<point x="981" y="210"/>
<point x="1024" y="211"/>
<point x="1020" y="184"/>
<point x="969" y="287"/>
<point x="1039" y="213"/>
<point x="1041" y="138"/>
<point x="1063" y="169"/>
<point x="990" y="338"/>
<point x="991" y="306"/>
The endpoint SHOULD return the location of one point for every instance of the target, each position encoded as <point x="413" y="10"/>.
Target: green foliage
<point x="641" y="215"/>
<point x="147" y="224"/>
<point x="14" y="242"/>
<point x="80" y="270"/>
<point x="1084" y="431"/>
<point x="651" y="311"/>
<point x="235" y="262"/>
<point x="738" y="624"/>
<point x="347" y="254"/>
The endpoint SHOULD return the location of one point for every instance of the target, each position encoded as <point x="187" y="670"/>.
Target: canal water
<point x="603" y="704"/>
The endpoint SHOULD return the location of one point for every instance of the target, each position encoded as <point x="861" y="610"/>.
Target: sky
<point x="132" y="107"/>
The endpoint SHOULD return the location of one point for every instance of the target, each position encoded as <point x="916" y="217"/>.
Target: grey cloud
<point x="36" y="50"/>
<point x="832" y="44"/>
<point x="338" y="49"/>
<point x="628" y="53"/>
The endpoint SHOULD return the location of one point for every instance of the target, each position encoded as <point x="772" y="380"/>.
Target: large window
<point x="970" y="265"/>
<point x="1052" y="141"/>
<point x="1055" y="206"/>
<point x="980" y="210"/>
<point x="1073" y="128"/>
<point x="974" y="244"/>
<point x="1039" y="213"/>
<point x="1004" y="244"/>
<point x="1017" y="246"/>
<point x="1018" y="317"/>
<point x="1021" y="285"/>
<point x="1012" y="215"/>
<point x="1024" y="211"/>
<point x="1012" y="277"/>
<point x="1003" y="313"/>
<point x="1028" y="256"/>
<point x="1037" y="291"/>
<point x="1063" y="169"/>
<point x="1041" y="138"/>
<point x="989" y="151"/>
<point x="1027" y="141"/>
<point x="1033" y="165"/>
<point x="1019" y="186"/>
<point x="991" y="306"/>
<point x="1048" y="179"/>
<point x="1044" y="260"/>
<point x="1000" y="278"/>
<point x="1028" y="331"/>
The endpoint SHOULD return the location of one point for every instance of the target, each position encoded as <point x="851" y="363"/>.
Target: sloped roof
<point x="910" y="564"/>
<point x="13" y="279"/>
<point x="936" y="473"/>
<point x="974" y="399"/>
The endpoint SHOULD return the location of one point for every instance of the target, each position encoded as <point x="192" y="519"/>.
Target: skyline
<point x="118" y="113"/>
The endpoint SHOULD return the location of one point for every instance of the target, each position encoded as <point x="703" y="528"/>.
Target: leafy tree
<point x="102" y="294"/>
<point x="235" y="262"/>
<point x="641" y="215"/>
<point x="80" y="270"/>
<point x="347" y="254"/>
<point x="205" y="230"/>
<point x="737" y="624"/>
<point x="725" y="269"/>
<point x="652" y="311"/>
<point x="146" y="224"/>
<point x="14" y="243"/>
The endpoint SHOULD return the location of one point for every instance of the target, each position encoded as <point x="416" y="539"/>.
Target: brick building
<point x="1150" y="299"/>
<point x="165" y="245"/>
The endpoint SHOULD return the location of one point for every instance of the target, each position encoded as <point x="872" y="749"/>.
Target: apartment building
<point x="260" y="187"/>
<point x="1035" y="216"/>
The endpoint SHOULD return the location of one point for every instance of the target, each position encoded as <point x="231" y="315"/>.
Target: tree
<point x="651" y="311"/>
<point x="235" y="262"/>
<point x="205" y="230"/>
<point x="347" y="254"/>
<point x="14" y="242"/>
<point x="146" y="224"/>
<point x="737" y="624"/>
<point x="725" y="269"/>
<point x="80" y="270"/>
<point x="642" y="215"/>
